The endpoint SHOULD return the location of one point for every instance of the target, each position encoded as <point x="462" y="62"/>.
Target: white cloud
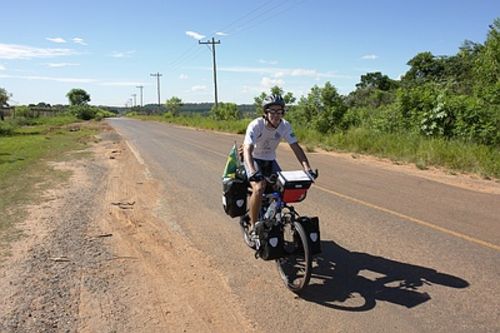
<point x="75" y="80"/>
<point x="57" y="40"/>
<point x="268" y="62"/>
<point x="183" y="77"/>
<point x="199" y="88"/>
<point x="48" y="78"/>
<point x="267" y="82"/>
<point x="78" y="40"/>
<point x="122" y="84"/>
<point x="12" y="51"/>
<point x="61" y="64"/>
<point x="220" y="33"/>
<point x="304" y="72"/>
<point x="2" y="68"/>
<point x="195" y="35"/>
<point x="126" y="54"/>
<point x="369" y="57"/>
<point x="283" y="72"/>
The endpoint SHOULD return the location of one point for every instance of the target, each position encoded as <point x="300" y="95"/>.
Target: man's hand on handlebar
<point x="314" y="174"/>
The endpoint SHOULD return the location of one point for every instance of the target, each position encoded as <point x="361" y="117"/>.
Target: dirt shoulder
<point x="96" y="258"/>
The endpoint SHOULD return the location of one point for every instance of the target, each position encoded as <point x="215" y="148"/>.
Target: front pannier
<point x="271" y="243"/>
<point x="234" y="196"/>
<point x="311" y="227"/>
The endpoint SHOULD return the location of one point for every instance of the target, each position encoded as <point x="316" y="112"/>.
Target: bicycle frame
<point x="282" y="236"/>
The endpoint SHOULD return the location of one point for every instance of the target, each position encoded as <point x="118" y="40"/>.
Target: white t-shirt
<point x="265" y="140"/>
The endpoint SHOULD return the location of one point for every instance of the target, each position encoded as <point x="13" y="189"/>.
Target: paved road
<point x="400" y="253"/>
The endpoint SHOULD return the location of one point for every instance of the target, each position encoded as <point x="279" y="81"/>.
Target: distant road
<point x="400" y="253"/>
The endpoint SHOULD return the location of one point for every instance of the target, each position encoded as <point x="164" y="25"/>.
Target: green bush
<point x="24" y="111"/>
<point x="225" y="111"/>
<point x="87" y="112"/>
<point x="6" y="128"/>
<point x="101" y="114"/>
<point x="84" y="112"/>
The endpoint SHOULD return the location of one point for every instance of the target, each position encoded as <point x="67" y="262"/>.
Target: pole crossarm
<point x="157" y="75"/>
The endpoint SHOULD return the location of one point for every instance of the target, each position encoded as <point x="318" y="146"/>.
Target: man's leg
<point x="256" y="200"/>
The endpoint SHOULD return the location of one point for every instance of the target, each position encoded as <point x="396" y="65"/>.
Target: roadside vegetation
<point x="29" y="138"/>
<point x="444" y="112"/>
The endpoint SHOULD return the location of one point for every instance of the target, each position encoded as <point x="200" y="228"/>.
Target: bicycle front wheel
<point x="295" y="268"/>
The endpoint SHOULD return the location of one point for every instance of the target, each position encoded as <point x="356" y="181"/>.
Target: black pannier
<point x="311" y="227"/>
<point x="234" y="196"/>
<point x="271" y="243"/>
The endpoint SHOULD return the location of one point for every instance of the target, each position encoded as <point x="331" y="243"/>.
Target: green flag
<point x="232" y="163"/>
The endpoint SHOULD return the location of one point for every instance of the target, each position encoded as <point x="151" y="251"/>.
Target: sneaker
<point x="257" y="226"/>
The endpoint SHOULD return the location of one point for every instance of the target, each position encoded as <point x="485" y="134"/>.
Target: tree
<point x="78" y="97"/>
<point x="173" y="105"/>
<point x="376" y="80"/>
<point x="322" y="109"/>
<point x="4" y="97"/>
<point x="374" y="90"/>
<point x="487" y="67"/>
<point x="288" y="97"/>
<point x="225" y="111"/>
<point x="424" y="67"/>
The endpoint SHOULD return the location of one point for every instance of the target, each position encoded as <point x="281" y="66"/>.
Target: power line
<point x="266" y="16"/>
<point x="192" y="56"/>
<point x="188" y="55"/>
<point x="213" y="42"/>
<point x="263" y="5"/>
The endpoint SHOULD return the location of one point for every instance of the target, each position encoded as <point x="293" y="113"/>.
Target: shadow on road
<point x="354" y="281"/>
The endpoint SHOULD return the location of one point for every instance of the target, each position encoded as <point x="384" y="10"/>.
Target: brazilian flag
<point x="233" y="163"/>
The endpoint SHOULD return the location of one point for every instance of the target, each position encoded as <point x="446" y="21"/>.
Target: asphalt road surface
<point x="401" y="253"/>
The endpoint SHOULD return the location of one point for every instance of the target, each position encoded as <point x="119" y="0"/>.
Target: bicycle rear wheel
<point x="295" y="268"/>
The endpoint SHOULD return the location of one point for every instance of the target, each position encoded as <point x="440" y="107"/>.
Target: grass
<point x="456" y="156"/>
<point x="197" y="121"/>
<point x="24" y="172"/>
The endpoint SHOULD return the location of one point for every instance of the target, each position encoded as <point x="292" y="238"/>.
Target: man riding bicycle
<point x="259" y="150"/>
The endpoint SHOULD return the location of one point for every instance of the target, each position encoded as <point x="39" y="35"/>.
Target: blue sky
<point x="109" y="48"/>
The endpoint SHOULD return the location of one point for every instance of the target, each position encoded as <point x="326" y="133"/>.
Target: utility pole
<point x="213" y="42"/>
<point x="135" y="99"/>
<point x="141" y="87"/>
<point x="157" y="75"/>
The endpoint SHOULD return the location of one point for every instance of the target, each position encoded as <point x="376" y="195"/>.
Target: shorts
<point x="267" y="168"/>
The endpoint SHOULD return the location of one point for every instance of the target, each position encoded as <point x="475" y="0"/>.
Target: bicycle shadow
<point x="354" y="281"/>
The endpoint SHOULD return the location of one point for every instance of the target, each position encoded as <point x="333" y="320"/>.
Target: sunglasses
<point x="274" y="111"/>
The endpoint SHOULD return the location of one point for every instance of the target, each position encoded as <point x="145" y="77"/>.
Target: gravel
<point x="44" y="293"/>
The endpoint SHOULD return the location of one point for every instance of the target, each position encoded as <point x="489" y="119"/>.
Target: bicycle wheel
<point x="295" y="268"/>
<point x="245" y="225"/>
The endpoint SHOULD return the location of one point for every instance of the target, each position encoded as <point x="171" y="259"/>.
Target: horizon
<point x="109" y="50"/>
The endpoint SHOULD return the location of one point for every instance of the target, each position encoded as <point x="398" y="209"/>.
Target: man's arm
<point x="248" y="158"/>
<point x="301" y="156"/>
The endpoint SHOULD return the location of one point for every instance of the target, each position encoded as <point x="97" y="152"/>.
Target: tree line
<point x="453" y="97"/>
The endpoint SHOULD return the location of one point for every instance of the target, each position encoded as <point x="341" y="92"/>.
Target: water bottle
<point x="271" y="211"/>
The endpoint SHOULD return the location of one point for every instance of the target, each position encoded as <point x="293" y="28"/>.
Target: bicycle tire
<point x="295" y="269"/>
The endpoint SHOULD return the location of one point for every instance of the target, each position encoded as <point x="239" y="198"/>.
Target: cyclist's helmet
<point x="273" y="100"/>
